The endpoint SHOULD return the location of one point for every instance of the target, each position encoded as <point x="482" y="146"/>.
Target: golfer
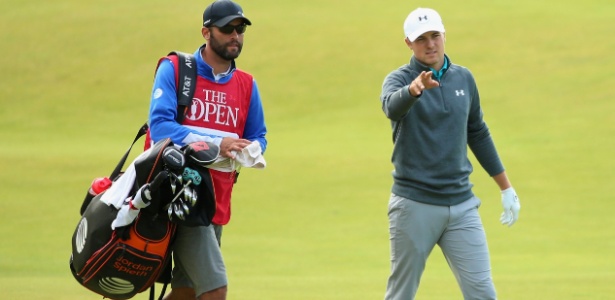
<point x="435" y="113"/>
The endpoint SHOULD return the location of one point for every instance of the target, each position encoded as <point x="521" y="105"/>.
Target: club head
<point x="170" y="212"/>
<point x="194" y="198"/>
<point x="173" y="180"/>
<point x="173" y="159"/>
<point x="177" y="210"/>
<point x="190" y="196"/>
<point x="201" y="153"/>
<point x="185" y="208"/>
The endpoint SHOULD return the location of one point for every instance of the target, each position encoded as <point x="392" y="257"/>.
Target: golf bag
<point x="122" y="243"/>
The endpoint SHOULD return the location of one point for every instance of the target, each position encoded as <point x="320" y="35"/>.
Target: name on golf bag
<point x="127" y="266"/>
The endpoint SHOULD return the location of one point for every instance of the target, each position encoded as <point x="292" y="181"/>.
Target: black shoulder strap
<point x="118" y="169"/>
<point x="186" y="84"/>
<point x="120" y="164"/>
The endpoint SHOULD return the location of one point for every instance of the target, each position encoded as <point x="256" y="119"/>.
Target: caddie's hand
<point x="422" y="82"/>
<point x="511" y="205"/>
<point x="230" y="145"/>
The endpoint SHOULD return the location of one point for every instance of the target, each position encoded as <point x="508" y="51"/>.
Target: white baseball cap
<point x="422" y="20"/>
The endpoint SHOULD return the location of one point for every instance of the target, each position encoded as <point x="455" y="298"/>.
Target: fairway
<point x="75" y="86"/>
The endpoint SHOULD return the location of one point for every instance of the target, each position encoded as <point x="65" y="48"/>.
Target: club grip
<point x="155" y="184"/>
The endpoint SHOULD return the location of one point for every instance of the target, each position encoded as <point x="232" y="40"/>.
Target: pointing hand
<point x="422" y="82"/>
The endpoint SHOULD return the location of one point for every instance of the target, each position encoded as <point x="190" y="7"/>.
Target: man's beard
<point x="221" y="49"/>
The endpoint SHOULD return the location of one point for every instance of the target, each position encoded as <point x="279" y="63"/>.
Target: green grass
<point x="75" y="84"/>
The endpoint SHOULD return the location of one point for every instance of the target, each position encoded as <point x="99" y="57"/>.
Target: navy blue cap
<point x="222" y="12"/>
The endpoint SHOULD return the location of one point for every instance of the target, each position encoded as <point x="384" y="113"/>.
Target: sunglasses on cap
<point x="228" y="29"/>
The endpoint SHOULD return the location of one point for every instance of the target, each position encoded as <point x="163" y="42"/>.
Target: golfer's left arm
<point x="502" y="181"/>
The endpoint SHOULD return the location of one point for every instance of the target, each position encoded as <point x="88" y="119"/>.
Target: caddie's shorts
<point x="197" y="259"/>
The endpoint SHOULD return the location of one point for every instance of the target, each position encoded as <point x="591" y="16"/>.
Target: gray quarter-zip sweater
<point x="431" y="135"/>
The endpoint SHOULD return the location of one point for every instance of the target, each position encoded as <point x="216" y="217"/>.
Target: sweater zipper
<point x="444" y="104"/>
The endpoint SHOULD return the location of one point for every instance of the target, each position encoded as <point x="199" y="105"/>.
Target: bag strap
<point x="186" y="84"/>
<point x="118" y="169"/>
<point x="152" y="291"/>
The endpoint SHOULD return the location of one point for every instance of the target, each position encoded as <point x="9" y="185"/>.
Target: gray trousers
<point x="415" y="228"/>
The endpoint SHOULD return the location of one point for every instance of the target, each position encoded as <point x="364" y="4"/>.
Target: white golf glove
<point x="511" y="205"/>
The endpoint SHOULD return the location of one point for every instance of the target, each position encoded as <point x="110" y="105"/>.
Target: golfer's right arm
<point x="396" y="98"/>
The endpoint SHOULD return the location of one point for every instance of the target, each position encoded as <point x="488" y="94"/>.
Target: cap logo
<point x="423" y="19"/>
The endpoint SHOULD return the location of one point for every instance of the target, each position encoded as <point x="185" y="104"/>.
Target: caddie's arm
<point x="255" y="128"/>
<point x="163" y="111"/>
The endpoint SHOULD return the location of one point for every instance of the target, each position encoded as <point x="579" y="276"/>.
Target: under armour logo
<point x="423" y="18"/>
<point x="459" y="93"/>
